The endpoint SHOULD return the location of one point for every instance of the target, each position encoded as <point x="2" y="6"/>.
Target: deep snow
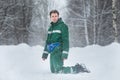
<point x="22" y="62"/>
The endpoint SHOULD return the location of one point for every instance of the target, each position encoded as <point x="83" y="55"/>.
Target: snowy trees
<point x="95" y="17"/>
<point x="15" y="17"/>
<point x="90" y="21"/>
<point x="39" y="23"/>
<point x="104" y="27"/>
<point x="117" y="20"/>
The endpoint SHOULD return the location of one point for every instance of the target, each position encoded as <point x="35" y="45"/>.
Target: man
<point x="57" y="45"/>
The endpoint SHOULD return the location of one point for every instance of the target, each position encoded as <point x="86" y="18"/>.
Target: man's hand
<point x="43" y="59"/>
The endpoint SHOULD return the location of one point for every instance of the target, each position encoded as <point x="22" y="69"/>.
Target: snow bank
<point x="23" y="62"/>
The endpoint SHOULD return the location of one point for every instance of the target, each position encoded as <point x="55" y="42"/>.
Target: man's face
<point x="54" y="17"/>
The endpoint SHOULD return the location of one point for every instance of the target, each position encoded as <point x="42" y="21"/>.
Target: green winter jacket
<point x="58" y="32"/>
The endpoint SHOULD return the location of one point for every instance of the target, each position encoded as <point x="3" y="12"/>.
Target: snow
<point x="22" y="62"/>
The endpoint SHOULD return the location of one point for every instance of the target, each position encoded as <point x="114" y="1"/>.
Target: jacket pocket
<point x="57" y="50"/>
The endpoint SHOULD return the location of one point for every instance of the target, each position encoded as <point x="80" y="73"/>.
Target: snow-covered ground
<point x="23" y="62"/>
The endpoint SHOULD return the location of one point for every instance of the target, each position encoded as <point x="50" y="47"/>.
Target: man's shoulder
<point x="63" y="25"/>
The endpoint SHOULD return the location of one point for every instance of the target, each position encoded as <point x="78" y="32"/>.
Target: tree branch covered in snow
<point x="90" y="21"/>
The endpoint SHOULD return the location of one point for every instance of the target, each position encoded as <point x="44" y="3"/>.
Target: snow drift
<point x="23" y="62"/>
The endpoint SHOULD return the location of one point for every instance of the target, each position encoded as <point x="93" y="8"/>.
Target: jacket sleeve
<point x="65" y="41"/>
<point x="45" y="52"/>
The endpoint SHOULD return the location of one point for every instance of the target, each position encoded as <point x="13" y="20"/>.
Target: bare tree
<point x="117" y="20"/>
<point x="114" y="19"/>
<point x="15" y="18"/>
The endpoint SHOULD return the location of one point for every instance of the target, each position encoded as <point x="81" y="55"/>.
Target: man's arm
<point x="45" y="52"/>
<point x="65" y="41"/>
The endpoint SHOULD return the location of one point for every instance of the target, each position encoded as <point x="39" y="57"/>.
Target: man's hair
<point x="54" y="11"/>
